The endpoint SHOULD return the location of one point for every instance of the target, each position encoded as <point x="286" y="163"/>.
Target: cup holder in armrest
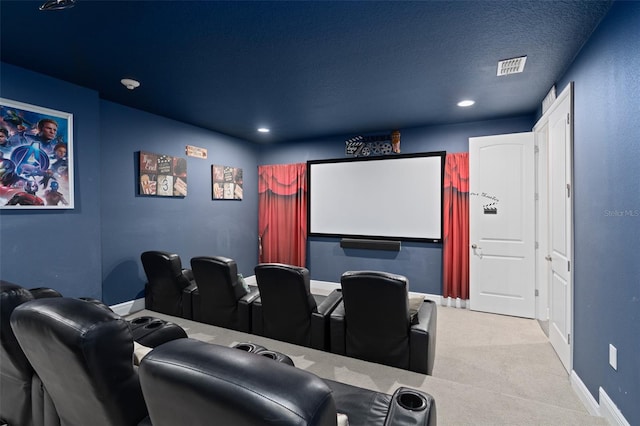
<point x="411" y="401"/>
<point x="141" y="320"/>
<point x="249" y="347"/>
<point x="277" y="356"/>
<point x="154" y="324"/>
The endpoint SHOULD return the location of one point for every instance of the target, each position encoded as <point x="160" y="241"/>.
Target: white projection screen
<point x="397" y="197"/>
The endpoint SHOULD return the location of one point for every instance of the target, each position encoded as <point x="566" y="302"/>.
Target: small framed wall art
<point x="162" y="175"/>
<point x="226" y="182"/>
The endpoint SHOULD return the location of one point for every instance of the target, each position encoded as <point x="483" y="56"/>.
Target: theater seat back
<point x="211" y="384"/>
<point x="83" y="355"/>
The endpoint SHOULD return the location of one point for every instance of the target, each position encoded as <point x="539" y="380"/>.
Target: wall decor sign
<point x="226" y="182"/>
<point x="36" y="157"/>
<point x="162" y="175"/>
<point x="194" y="151"/>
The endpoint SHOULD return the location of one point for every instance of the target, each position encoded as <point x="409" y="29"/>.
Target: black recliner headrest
<point x="83" y="355"/>
<point x="208" y="384"/>
<point x="12" y="356"/>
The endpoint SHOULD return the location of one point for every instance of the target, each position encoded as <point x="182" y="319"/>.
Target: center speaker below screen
<point x="357" y="243"/>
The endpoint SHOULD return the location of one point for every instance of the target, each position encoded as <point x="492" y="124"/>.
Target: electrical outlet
<point x="613" y="357"/>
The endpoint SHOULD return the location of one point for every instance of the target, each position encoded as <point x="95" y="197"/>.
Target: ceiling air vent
<point x="511" y="66"/>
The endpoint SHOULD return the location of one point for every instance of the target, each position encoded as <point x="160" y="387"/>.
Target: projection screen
<point x="397" y="197"/>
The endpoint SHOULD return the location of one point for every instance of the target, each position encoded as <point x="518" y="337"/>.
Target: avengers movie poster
<point x="36" y="157"/>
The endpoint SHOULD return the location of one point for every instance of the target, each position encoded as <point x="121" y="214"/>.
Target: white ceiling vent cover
<point x="511" y="66"/>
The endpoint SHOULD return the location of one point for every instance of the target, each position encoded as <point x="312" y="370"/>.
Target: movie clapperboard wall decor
<point x="162" y="175"/>
<point x="226" y="182"/>
<point x="365" y="146"/>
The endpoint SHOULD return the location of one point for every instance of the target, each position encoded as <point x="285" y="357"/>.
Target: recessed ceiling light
<point x="263" y="130"/>
<point x="466" y="103"/>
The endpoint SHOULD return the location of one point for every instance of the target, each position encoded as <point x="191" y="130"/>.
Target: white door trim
<point x="544" y="277"/>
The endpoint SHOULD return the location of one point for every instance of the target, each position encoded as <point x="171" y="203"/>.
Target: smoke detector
<point x="129" y="83"/>
<point x="511" y="66"/>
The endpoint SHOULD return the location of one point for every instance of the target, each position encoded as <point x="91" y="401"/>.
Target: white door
<point x="502" y="224"/>
<point x="560" y="226"/>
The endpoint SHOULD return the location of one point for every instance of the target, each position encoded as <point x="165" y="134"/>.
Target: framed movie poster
<point x="162" y="175"/>
<point x="36" y="157"/>
<point x="226" y="182"/>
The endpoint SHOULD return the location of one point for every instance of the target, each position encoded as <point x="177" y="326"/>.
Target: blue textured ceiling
<point x="305" y="69"/>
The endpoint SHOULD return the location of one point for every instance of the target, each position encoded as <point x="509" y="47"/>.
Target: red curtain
<point x="282" y="213"/>
<point x="455" y="270"/>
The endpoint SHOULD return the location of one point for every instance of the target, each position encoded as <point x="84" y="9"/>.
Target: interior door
<point x="560" y="238"/>
<point x="502" y="224"/>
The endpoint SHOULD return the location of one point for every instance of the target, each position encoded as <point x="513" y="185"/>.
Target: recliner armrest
<point x="257" y="326"/>
<point x="188" y="274"/>
<point x="187" y="300"/>
<point x="422" y="339"/>
<point x="330" y="303"/>
<point x="320" y="320"/>
<point x="337" y="330"/>
<point x="250" y="297"/>
<point x="244" y="310"/>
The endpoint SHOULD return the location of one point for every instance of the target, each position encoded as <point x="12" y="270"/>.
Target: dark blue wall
<point x="57" y="248"/>
<point x="607" y="208"/>
<point x="94" y="249"/>
<point x="191" y="226"/>
<point x="421" y="263"/>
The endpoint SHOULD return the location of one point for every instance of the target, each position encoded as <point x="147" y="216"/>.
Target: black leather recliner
<point x="287" y="311"/>
<point x="169" y="286"/>
<point x="208" y="384"/>
<point x="23" y="400"/>
<point x="83" y="354"/>
<point x="373" y="322"/>
<point x="220" y="298"/>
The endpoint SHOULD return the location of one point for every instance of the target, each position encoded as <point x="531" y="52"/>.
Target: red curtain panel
<point x="282" y="213"/>
<point x="455" y="271"/>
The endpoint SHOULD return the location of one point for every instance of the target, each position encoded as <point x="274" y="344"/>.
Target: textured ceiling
<point x="305" y="69"/>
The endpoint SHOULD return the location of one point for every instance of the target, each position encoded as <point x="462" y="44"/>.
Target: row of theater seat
<point x="368" y="318"/>
<point x="75" y="358"/>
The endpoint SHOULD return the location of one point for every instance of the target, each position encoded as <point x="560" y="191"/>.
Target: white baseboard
<point x="606" y="408"/>
<point x="610" y="411"/>
<point x="454" y="303"/>
<point x="126" y="308"/>
<point x="584" y="395"/>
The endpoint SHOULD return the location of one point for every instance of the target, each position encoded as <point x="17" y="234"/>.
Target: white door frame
<point x="542" y="220"/>
<point x="543" y="269"/>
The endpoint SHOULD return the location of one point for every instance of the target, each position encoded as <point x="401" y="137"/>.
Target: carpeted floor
<point x="489" y="370"/>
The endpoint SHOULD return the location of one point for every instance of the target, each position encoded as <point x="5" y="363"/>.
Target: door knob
<point x="548" y="258"/>
<point x="473" y="246"/>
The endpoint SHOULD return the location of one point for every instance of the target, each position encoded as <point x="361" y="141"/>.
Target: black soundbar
<point x="357" y="243"/>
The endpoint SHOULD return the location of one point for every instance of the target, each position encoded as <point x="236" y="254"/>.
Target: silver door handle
<point x="548" y="258"/>
<point x="473" y="246"/>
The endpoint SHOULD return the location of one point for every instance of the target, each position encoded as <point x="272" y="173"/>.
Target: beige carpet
<point x="489" y="370"/>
